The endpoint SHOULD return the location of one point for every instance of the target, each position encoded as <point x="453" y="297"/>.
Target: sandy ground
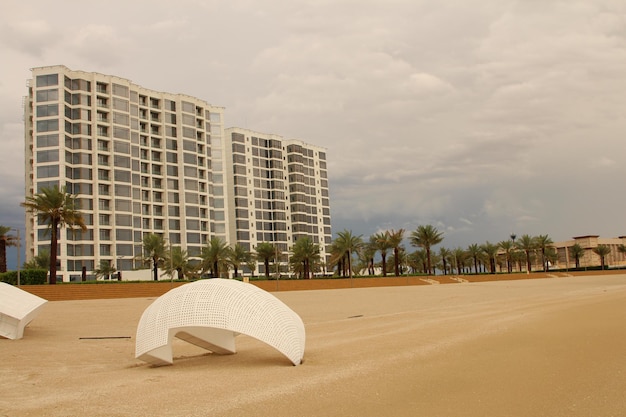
<point x="545" y="347"/>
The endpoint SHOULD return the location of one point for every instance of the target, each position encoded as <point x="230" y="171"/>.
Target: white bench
<point x="17" y="309"/>
<point x="210" y="313"/>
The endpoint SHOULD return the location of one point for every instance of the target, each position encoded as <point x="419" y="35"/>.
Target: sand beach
<point x="544" y="347"/>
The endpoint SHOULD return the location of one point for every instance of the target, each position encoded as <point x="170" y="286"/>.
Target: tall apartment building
<point x="279" y="192"/>
<point x="143" y="161"/>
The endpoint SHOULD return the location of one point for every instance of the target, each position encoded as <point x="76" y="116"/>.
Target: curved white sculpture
<point x="17" y="309"/>
<point x="210" y="313"/>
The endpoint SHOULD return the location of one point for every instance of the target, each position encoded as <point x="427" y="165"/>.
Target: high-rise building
<point x="279" y="192"/>
<point x="143" y="161"/>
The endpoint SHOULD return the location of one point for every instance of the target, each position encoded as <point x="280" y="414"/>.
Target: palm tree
<point x="507" y="246"/>
<point x="577" y="252"/>
<point x="491" y="251"/>
<point x="543" y="242"/>
<point x="214" y="254"/>
<point x="105" y="269"/>
<point x="154" y="251"/>
<point x="381" y="240"/>
<point x="518" y="258"/>
<point x="459" y="256"/>
<point x="177" y="260"/>
<point x="39" y="261"/>
<point x="349" y="244"/>
<point x="264" y="252"/>
<point x="337" y="257"/>
<point x="238" y="255"/>
<point x="426" y="237"/>
<point x="527" y="244"/>
<point x="474" y="251"/>
<point x="369" y="252"/>
<point x="395" y="240"/>
<point x="417" y="261"/>
<point x="5" y="240"/>
<point x="445" y="255"/>
<point x="56" y="208"/>
<point x="306" y="253"/>
<point x="602" y="251"/>
<point x="552" y="256"/>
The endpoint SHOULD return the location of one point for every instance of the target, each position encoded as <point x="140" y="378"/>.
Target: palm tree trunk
<point x="155" y="273"/>
<point x="267" y="267"/>
<point x="53" y="251"/>
<point x="384" y="265"/>
<point x="3" y="255"/>
<point x="396" y="261"/>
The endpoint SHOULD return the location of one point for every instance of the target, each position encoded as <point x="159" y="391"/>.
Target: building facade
<point x="140" y="161"/>
<point x="279" y="193"/>
<point x="589" y="258"/>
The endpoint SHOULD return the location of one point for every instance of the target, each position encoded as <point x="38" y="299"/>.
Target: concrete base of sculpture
<point x="210" y="314"/>
<point x="17" y="309"/>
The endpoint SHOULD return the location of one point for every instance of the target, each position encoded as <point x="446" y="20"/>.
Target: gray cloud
<point x="482" y="118"/>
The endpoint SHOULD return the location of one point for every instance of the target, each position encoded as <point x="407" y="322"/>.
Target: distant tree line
<point x="350" y="254"/>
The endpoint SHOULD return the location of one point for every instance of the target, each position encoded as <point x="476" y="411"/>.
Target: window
<point x="120" y="90"/>
<point x="48" y="171"/>
<point x="121" y="161"/>
<point x="120" y="104"/>
<point x="171" y="144"/>
<point x="121" y="147"/>
<point x="51" y="155"/>
<point x="122" y="176"/>
<point x="170" y="105"/>
<point x="47" y="125"/>
<point x="78" y="84"/>
<point x="122" y="205"/>
<point x="172" y="170"/>
<point x="121" y="132"/>
<point x="44" y="141"/>
<point x="121" y="119"/>
<point x="47" y="80"/>
<point x="193" y="238"/>
<point x="189" y="132"/>
<point x="104" y="175"/>
<point x="188" y="107"/>
<point x="48" y="110"/>
<point x="171" y="157"/>
<point x="125" y="235"/>
<point x="189" y="158"/>
<point x="105" y="250"/>
<point x="123" y="220"/>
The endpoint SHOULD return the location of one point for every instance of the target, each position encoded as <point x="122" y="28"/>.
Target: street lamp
<point x="119" y="267"/>
<point x="19" y="249"/>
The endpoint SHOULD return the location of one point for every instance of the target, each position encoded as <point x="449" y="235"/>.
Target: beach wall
<point x="107" y="290"/>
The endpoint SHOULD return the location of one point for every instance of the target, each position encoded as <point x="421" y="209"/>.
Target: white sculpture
<point x="17" y="309"/>
<point x="210" y="313"/>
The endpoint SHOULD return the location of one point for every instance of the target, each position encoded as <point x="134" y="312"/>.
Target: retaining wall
<point x="67" y="291"/>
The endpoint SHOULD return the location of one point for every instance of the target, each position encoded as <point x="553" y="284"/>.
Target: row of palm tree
<point x="487" y="256"/>
<point x="347" y="244"/>
<point x="217" y="258"/>
<point x="57" y="208"/>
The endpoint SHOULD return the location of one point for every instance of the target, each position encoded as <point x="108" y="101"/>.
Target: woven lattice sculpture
<point x="17" y="309"/>
<point x="210" y="313"/>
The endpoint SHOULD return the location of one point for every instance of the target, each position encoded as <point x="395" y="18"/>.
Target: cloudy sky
<point x="480" y="117"/>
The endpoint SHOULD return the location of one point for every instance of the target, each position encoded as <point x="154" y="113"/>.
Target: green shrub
<point x="27" y="277"/>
